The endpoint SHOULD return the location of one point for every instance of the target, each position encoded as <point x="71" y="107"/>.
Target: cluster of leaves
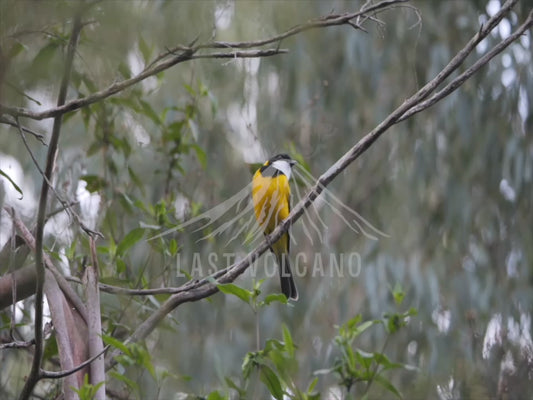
<point x="355" y="365"/>
<point x="276" y="363"/>
<point x="274" y="366"/>
<point x="87" y="391"/>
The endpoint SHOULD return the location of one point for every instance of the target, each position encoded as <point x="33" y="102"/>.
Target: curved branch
<point x="61" y="374"/>
<point x="462" y="78"/>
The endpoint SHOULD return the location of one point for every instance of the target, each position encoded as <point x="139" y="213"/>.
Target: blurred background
<point x="450" y="188"/>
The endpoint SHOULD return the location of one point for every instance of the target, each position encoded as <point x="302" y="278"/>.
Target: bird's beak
<point x="293" y="162"/>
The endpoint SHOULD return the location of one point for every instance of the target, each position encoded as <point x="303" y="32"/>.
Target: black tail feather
<point x="288" y="287"/>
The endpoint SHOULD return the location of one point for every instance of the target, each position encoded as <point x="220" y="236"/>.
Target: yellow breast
<point x="271" y="200"/>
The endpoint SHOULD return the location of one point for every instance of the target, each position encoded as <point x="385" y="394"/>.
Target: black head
<point x="282" y="156"/>
<point x="279" y="164"/>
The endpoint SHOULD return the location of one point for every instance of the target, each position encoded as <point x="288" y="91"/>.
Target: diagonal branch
<point x="462" y="78"/>
<point x="202" y="289"/>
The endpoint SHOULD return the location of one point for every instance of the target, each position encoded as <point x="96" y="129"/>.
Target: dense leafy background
<point x="451" y="187"/>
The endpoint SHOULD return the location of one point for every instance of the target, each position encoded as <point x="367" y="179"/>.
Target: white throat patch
<point x="283" y="166"/>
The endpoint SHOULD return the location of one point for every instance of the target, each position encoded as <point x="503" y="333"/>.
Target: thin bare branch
<point x="21" y="92"/>
<point x="242" y="54"/>
<point x="187" y="53"/>
<point x="37" y="135"/>
<point x="104" y="287"/>
<point x="329" y="20"/>
<point x="35" y="162"/>
<point x="65" y="205"/>
<point x="17" y="345"/>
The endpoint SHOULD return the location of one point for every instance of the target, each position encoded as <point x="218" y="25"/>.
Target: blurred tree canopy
<point x="450" y="189"/>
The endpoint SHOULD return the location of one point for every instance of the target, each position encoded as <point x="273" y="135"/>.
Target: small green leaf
<point x="44" y="56"/>
<point x="15" y="186"/>
<point x="275" y="297"/>
<point x="287" y="338"/>
<point x="54" y="254"/>
<point x="147" y="110"/>
<point x="15" y="49"/>
<point x="122" y="378"/>
<point x="129" y="240"/>
<point x="272" y="382"/>
<point x="394" y="322"/>
<point x="102" y="249"/>
<point x="215" y="396"/>
<point x="234" y="386"/>
<point x="50" y="348"/>
<point x="94" y="183"/>
<point x="110" y="340"/>
<point x="135" y="179"/>
<point x="272" y="345"/>
<point x="364" y="358"/>
<point x="251" y="360"/>
<point x="144" y="359"/>
<point x="384" y="361"/>
<point x="230" y="288"/>
<point x="121" y="265"/>
<point x="173" y="247"/>
<point x="190" y="90"/>
<point x="200" y="154"/>
<point x="412" y="312"/>
<point x="387" y="385"/>
<point x="363" y="327"/>
<point x="398" y="293"/>
<point x="146" y="51"/>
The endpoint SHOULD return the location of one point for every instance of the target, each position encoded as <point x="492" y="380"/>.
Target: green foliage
<point x="251" y="297"/>
<point x="275" y="366"/>
<point x="133" y="355"/>
<point x="354" y="365"/>
<point x="87" y="391"/>
<point x="129" y="240"/>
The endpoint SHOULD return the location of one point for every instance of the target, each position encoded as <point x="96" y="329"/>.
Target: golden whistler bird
<point x="271" y="198"/>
